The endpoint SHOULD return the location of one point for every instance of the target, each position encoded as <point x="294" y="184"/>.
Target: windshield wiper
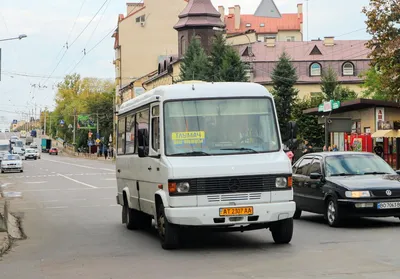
<point x="191" y="153"/>
<point x="343" y="174"/>
<point x="376" y="172"/>
<point x="241" y="149"/>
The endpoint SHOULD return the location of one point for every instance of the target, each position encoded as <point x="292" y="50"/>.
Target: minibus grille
<point x="232" y="184"/>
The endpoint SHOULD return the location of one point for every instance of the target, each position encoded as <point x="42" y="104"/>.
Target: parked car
<point x="31" y="153"/>
<point x="53" y="151"/>
<point x="12" y="162"/>
<point x="342" y="185"/>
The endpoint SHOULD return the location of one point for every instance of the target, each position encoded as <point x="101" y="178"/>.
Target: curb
<point x="5" y="243"/>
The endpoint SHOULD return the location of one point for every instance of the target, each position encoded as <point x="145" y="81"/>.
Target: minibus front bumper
<point x="213" y="216"/>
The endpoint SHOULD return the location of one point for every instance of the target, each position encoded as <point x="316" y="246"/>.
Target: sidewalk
<point x="87" y="156"/>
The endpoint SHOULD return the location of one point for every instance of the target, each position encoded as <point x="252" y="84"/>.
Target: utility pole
<point x="73" y="141"/>
<point x="97" y="133"/>
<point x="45" y="117"/>
<point x="50" y="124"/>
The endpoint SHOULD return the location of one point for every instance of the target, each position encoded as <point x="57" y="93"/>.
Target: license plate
<point x="236" y="211"/>
<point x="388" y="205"/>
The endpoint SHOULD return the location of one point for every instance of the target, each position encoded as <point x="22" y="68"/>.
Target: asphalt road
<point x="74" y="231"/>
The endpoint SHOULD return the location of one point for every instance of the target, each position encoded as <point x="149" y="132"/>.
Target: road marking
<point x="56" y="207"/>
<point x="77" y="181"/>
<point x="49" y="201"/>
<point x="68" y="189"/>
<point x="78" y="200"/>
<point x="86" y="206"/>
<point x="27" y="208"/>
<point x="81" y="166"/>
<point x="36" y="182"/>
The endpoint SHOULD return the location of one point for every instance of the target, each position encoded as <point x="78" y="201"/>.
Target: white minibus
<point x="203" y="155"/>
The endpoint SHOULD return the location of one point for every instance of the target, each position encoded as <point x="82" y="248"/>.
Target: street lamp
<point x="20" y="37"/>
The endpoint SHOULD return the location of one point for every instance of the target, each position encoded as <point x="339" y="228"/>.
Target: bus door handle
<point x="149" y="168"/>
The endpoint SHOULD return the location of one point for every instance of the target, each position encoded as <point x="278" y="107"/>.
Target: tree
<point x="308" y="127"/>
<point x="216" y="58"/>
<point x="194" y="65"/>
<point x="383" y="19"/>
<point x="372" y="85"/>
<point x="233" y="69"/>
<point x="284" y="78"/>
<point x="344" y="94"/>
<point x="329" y="83"/>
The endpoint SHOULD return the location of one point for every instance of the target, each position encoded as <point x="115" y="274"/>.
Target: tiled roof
<point x="265" y="58"/>
<point x="199" y="13"/>
<point x="271" y="25"/>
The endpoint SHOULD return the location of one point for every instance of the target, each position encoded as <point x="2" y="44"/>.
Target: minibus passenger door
<point x="149" y="151"/>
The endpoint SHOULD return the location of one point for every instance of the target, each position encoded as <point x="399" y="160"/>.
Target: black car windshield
<point x="356" y="164"/>
<point x="11" y="157"/>
<point x="220" y="126"/>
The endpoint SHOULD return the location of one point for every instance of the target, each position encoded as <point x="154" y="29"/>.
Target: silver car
<point x="12" y="163"/>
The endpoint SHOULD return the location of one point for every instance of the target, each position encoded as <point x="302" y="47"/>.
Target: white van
<point x="203" y="155"/>
<point x="19" y="148"/>
<point x="4" y="148"/>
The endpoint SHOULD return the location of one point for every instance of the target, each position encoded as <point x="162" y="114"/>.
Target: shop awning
<point x="386" y="134"/>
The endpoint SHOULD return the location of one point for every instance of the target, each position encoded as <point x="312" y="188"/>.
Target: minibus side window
<point x="155" y="129"/>
<point x="130" y="134"/>
<point x="121" y="136"/>
<point x="142" y="119"/>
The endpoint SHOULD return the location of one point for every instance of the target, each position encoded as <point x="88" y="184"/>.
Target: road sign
<point x="97" y="135"/>
<point x="98" y="141"/>
<point x="69" y="126"/>
<point x="62" y="122"/>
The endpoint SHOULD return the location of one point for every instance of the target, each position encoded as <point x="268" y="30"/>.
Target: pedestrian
<point x="105" y="153"/>
<point x="335" y="148"/>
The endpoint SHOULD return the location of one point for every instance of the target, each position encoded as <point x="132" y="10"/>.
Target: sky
<point x="31" y="67"/>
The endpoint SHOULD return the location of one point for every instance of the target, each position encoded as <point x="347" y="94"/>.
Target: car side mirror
<point x="398" y="172"/>
<point x="315" y="176"/>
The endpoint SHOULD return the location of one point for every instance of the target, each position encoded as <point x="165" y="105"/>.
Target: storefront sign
<point x="329" y="106"/>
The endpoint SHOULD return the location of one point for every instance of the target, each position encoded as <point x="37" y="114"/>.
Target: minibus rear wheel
<point x="168" y="233"/>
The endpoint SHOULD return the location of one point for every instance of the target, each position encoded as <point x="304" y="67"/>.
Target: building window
<point x="183" y="45"/>
<point x="315" y="70"/>
<point x="262" y="24"/>
<point x="141" y="19"/>
<point x="348" y="69"/>
<point x="248" y="25"/>
<point x="290" y="39"/>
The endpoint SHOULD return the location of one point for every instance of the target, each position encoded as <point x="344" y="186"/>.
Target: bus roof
<point x="196" y="91"/>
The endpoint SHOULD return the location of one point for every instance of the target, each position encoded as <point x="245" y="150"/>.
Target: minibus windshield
<point x="220" y="127"/>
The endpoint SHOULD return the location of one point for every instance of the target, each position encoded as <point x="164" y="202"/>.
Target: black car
<point x="344" y="185"/>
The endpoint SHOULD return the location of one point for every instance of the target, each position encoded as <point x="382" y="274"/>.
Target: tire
<point x="297" y="214"/>
<point x="332" y="214"/>
<point x="21" y="171"/>
<point x="168" y="233"/>
<point x="282" y="231"/>
<point x="56" y="153"/>
<point x="132" y="218"/>
<point x="35" y="158"/>
<point x="2" y="171"/>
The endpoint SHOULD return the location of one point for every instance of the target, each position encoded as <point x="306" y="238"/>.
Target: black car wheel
<point x="332" y="213"/>
<point x="282" y="231"/>
<point x="169" y="233"/>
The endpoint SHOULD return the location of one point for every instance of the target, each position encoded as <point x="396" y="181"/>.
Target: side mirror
<point x="398" y="172"/>
<point x="315" y="176"/>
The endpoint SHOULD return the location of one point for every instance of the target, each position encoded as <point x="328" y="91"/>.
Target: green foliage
<point x="81" y="96"/>
<point x="308" y="127"/>
<point x="233" y="69"/>
<point x="344" y="94"/>
<point x="329" y="84"/>
<point x="383" y="19"/>
<point x="284" y="78"/>
<point x="222" y="65"/>
<point x="373" y="87"/>
<point x="194" y="65"/>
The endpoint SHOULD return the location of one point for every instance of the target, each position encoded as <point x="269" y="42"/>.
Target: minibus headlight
<point x="182" y="187"/>
<point x="281" y="182"/>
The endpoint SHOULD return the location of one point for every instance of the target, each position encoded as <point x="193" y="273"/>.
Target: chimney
<point x="270" y="41"/>
<point x="329" y="41"/>
<point x="237" y="16"/>
<point x="221" y="10"/>
<point x="231" y="10"/>
<point x="299" y="10"/>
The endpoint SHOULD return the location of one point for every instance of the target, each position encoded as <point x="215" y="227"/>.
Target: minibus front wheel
<point x="169" y="233"/>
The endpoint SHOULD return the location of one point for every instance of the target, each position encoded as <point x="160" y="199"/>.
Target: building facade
<point x="144" y="36"/>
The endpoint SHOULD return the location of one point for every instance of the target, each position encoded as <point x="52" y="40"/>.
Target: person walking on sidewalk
<point x="105" y="153"/>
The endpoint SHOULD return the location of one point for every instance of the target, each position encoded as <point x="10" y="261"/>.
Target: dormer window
<point x="315" y="70"/>
<point x="262" y="24"/>
<point x="248" y="25"/>
<point x="348" y="69"/>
